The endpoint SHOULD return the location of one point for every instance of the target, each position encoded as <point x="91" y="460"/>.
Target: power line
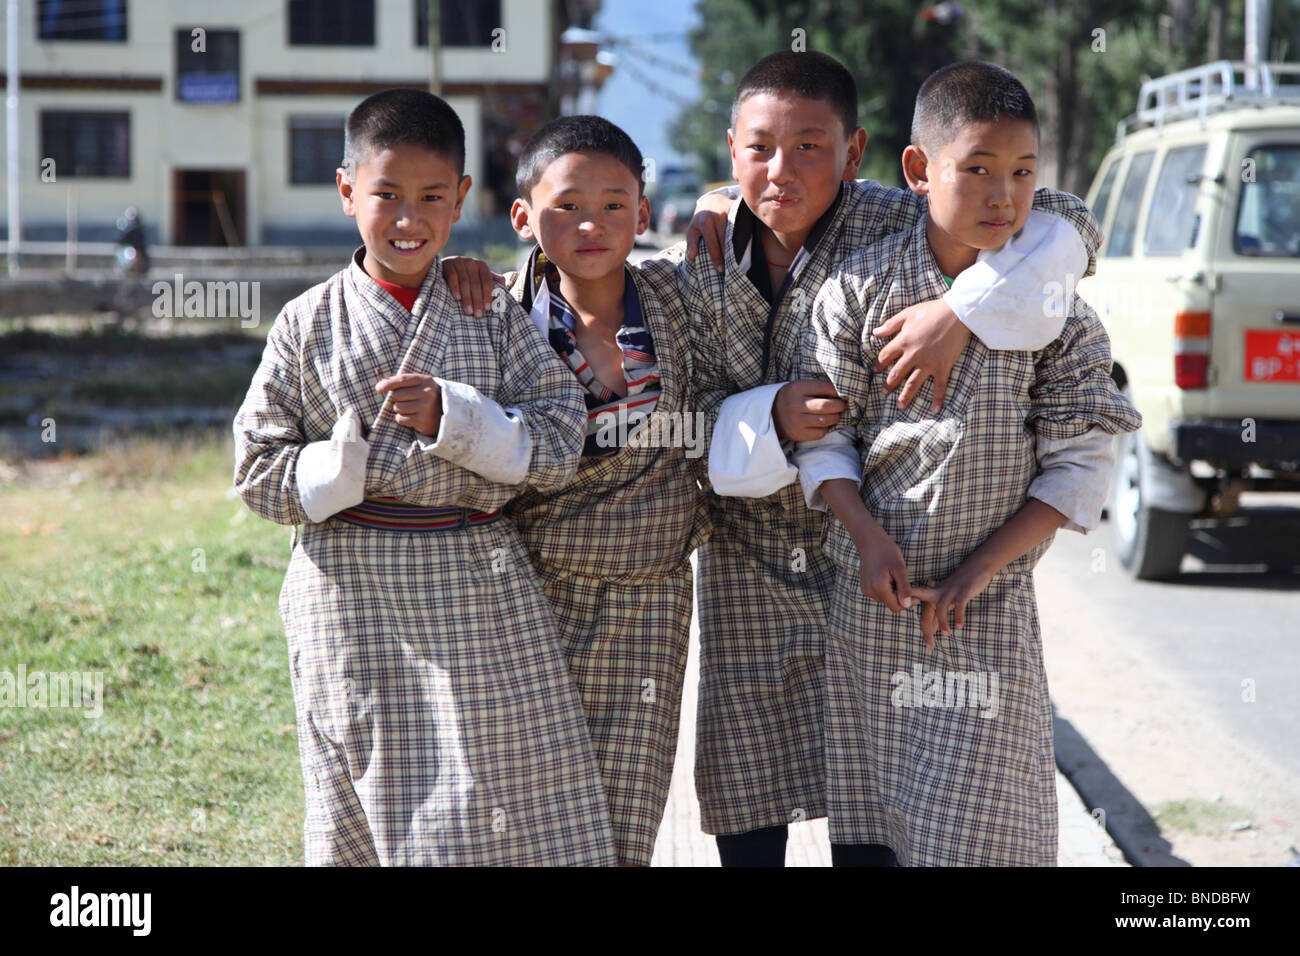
<point x="657" y="60"/>
<point x="654" y="87"/>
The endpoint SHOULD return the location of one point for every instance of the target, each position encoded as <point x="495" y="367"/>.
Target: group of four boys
<point x="489" y="598"/>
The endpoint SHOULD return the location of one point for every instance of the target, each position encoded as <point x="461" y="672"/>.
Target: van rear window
<point x="1268" y="213"/>
<point x="1123" y="232"/>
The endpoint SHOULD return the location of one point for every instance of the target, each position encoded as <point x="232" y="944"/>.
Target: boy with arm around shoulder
<point x="943" y="751"/>
<point x="437" y="723"/>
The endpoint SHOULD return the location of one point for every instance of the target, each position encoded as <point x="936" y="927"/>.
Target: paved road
<point x="1183" y="694"/>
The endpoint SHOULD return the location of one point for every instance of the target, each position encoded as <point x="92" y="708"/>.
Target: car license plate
<point x="1272" y="356"/>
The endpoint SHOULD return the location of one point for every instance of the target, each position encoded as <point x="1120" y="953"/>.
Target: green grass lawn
<point x="134" y="563"/>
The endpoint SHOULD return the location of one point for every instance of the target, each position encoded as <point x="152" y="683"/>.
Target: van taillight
<point x="1192" y="349"/>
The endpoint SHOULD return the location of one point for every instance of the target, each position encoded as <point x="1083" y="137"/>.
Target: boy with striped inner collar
<point x="612" y="548"/>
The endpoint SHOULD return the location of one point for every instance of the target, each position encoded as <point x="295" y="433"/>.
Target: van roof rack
<point x="1212" y="88"/>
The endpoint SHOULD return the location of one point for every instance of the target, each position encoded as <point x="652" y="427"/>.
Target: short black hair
<point x="575" y="134"/>
<point x="963" y="93"/>
<point x="812" y="75"/>
<point x="400" y="117"/>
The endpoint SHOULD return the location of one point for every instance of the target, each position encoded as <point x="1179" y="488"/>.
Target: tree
<point x="1083" y="62"/>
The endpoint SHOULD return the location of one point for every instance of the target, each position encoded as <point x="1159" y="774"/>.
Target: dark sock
<point x="862" y="854"/>
<point x="763" y="847"/>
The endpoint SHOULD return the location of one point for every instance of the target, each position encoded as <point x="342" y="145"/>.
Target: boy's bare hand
<point x="806" y="409"/>
<point x="470" y="283"/>
<point x="928" y="341"/>
<point x="949" y="597"/>
<point x="415" y="400"/>
<point x="710" y="224"/>
<point x="883" y="573"/>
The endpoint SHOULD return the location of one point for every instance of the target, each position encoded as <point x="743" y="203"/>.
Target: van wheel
<point x="1151" y="541"/>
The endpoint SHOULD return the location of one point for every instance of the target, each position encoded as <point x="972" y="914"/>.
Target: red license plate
<point x="1273" y="356"/>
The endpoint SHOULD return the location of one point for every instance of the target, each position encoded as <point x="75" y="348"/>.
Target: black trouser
<point x="766" y="847"/>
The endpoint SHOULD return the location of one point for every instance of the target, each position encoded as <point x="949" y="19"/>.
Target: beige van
<point x="1198" y="283"/>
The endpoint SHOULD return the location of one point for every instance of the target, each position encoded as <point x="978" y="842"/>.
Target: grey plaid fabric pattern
<point x="764" y="583"/>
<point x="626" y="649"/>
<point x="612" y="549"/>
<point x="437" y="723"/>
<point x="945" y="780"/>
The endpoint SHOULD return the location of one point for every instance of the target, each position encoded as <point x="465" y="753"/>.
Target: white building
<point x="222" y="122"/>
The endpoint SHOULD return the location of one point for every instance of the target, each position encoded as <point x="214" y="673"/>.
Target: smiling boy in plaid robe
<point x="764" y="583"/>
<point x="612" y="548"/>
<point x="437" y="723"/>
<point x="943" y="752"/>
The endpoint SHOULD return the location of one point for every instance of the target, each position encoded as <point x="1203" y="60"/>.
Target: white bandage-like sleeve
<point x="1017" y="297"/>
<point x="1075" y="477"/>
<point x="746" y="459"/>
<point x="835" y="455"/>
<point x="481" y="436"/>
<point x="331" y="474"/>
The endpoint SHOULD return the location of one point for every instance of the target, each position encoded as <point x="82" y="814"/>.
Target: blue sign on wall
<point x="209" y="88"/>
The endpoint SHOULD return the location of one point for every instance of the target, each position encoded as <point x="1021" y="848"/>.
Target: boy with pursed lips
<point x="437" y="723"/>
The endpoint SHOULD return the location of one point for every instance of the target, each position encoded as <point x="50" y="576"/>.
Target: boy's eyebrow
<point x="759" y="131"/>
<point x="385" y="182"/>
<point x="607" y="189"/>
<point x="985" y="152"/>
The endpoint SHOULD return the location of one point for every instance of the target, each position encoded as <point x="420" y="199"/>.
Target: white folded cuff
<point x="746" y="459"/>
<point x="1075" y="477"/>
<point x="833" y="456"/>
<point x="1018" y="297"/>
<point x="331" y="474"/>
<point x="479" y="435"/>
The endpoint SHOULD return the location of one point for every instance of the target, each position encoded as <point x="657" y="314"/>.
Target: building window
<point x="207" y="66"/>
<point x="87" y="144"/>
<point x="464" y="22"/>
<point x="315" y="149"/>
<point x="82" y="20"/>
<point x="332" y="22"/>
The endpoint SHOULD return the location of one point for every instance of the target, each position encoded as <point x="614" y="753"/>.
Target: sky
<point x="649" y="63"/>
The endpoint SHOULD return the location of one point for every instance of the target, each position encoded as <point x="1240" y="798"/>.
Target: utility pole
<point x="435" y="46"/>
<point x="11" y="131"/>
<point x="1256" y="51"/>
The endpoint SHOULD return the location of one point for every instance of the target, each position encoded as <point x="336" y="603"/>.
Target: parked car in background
<point x="673" y="194"/>
<point x="1198" y="283"/>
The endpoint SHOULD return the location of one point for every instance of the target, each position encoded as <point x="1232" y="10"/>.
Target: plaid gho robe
<point x="946" y="755"/>
<point x="437" y="723"/>
<point x="612" y="549"/>
<point x="764" y="584"/>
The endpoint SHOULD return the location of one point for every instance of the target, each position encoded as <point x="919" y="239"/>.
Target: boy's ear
<point x="916" y="170"/>
<point x="731" y="145"/>
<point x="345" y="192"/>
<point x="519" y="219"/>
<point x="461" y="190"/>
<point x="643" y="215"/>
<point x="857" y="149"/>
